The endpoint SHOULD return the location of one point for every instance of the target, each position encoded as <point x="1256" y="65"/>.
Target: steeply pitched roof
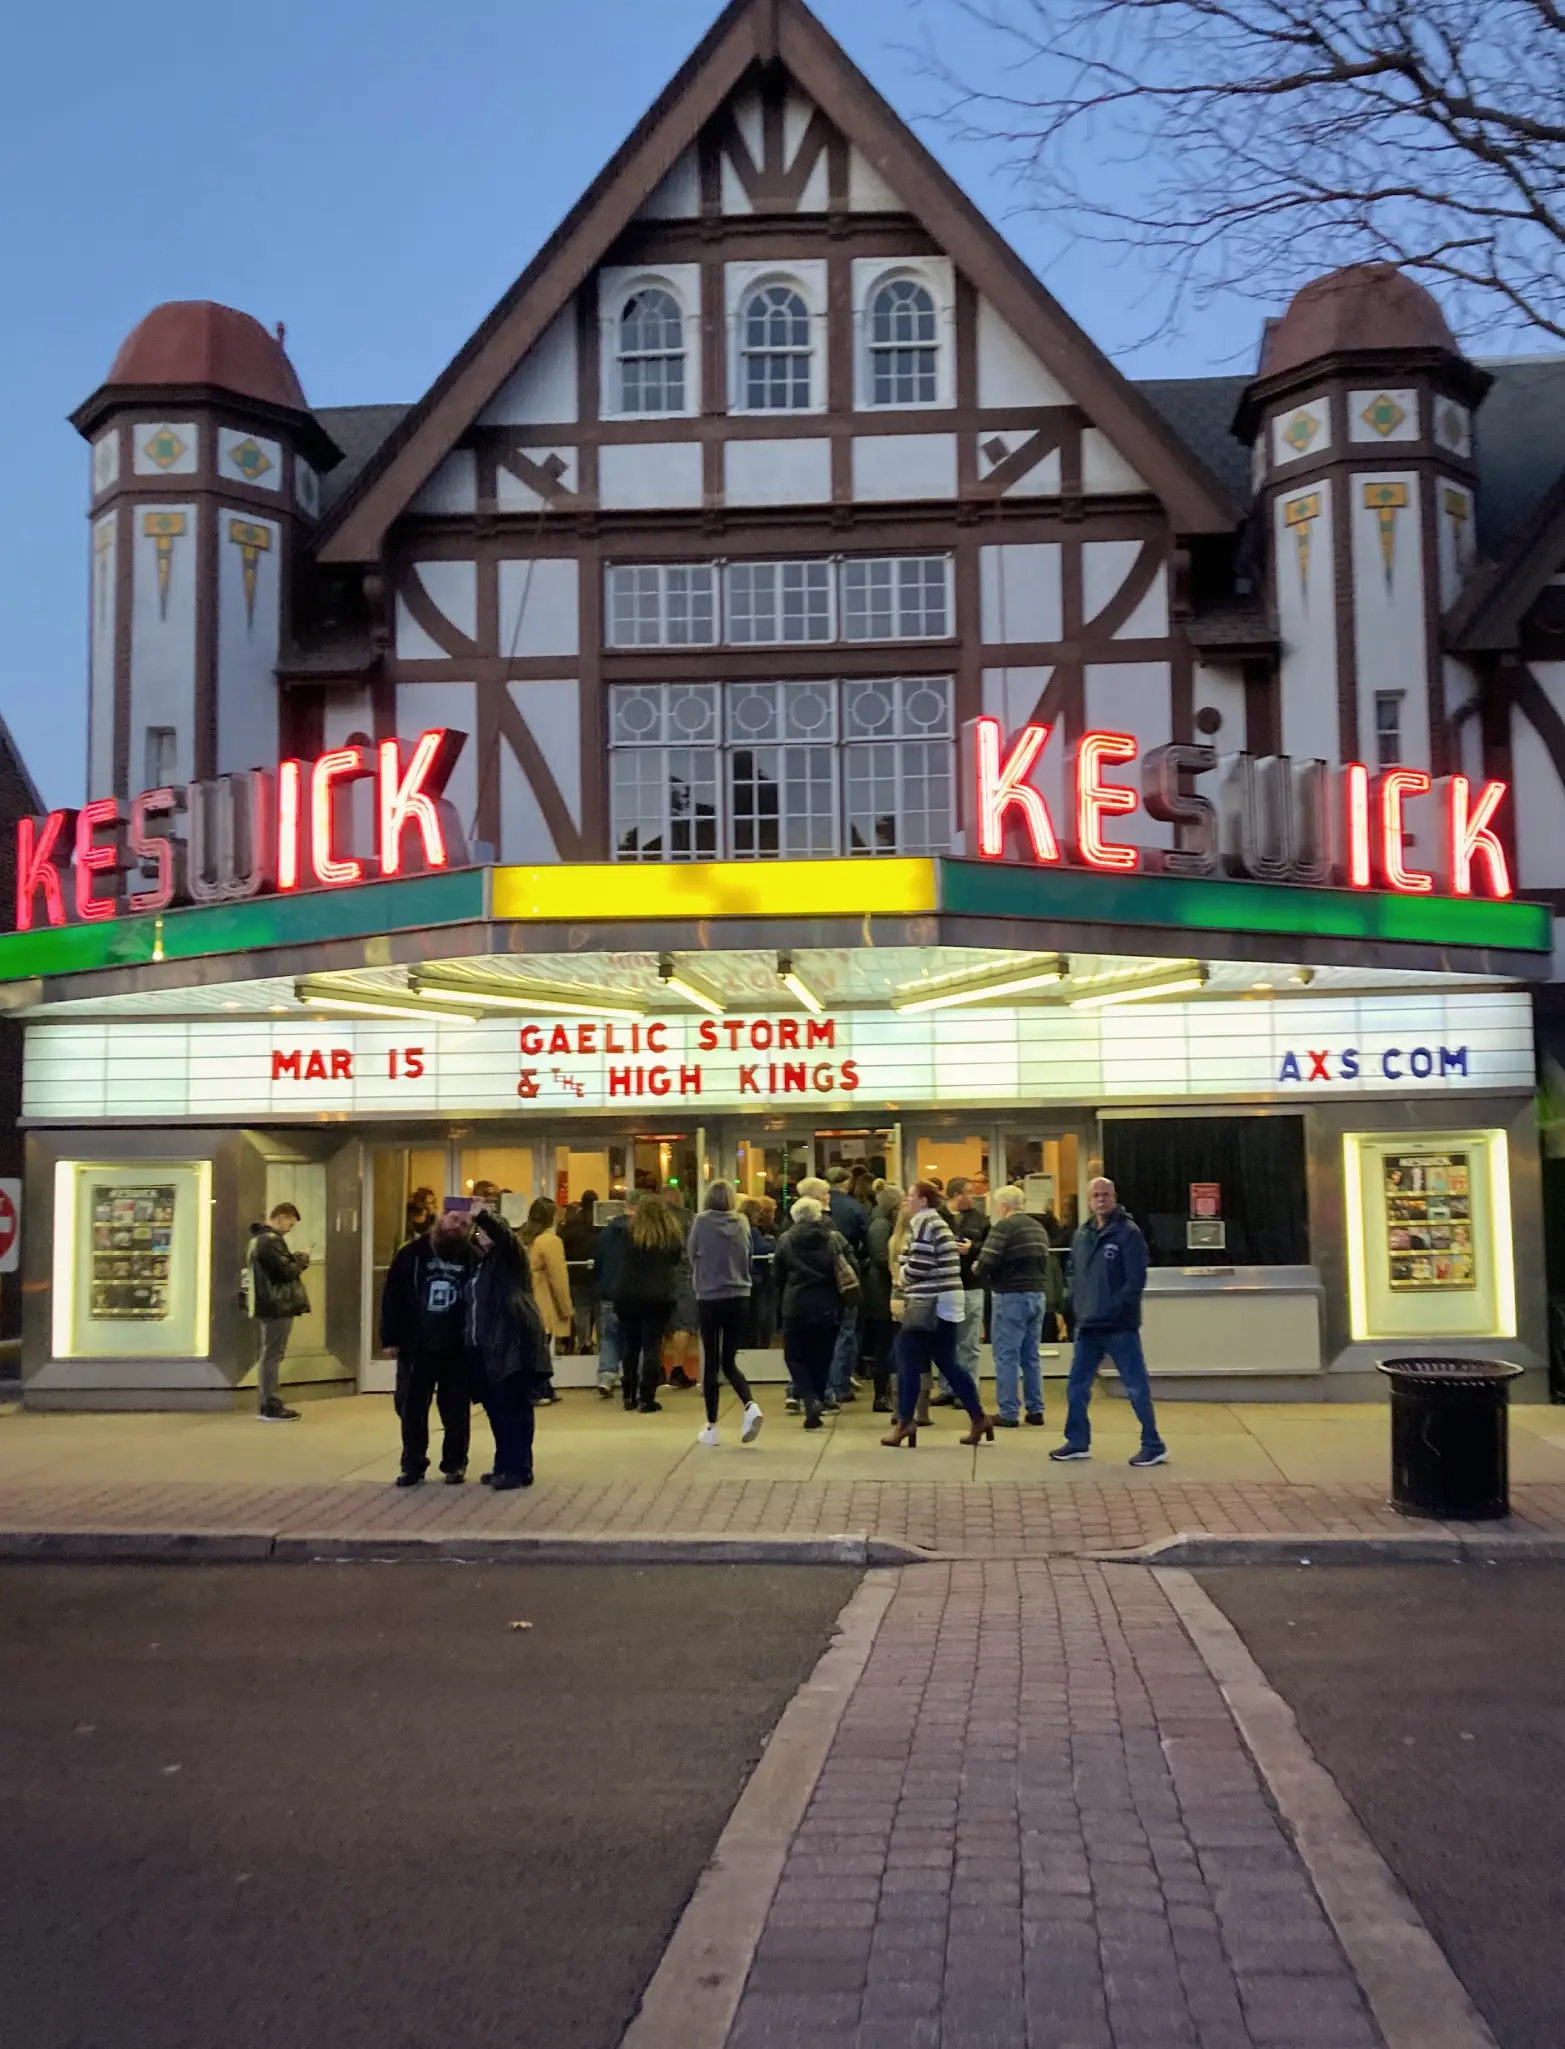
<point x="751" y="32"/>
<point x="359" y="431"/>
<point x="1200" y="410"/>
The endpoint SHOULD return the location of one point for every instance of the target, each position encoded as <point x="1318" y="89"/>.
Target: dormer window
<point x="904" y="345"/>
<point x="775" y="351"/>
<point x="652" y="353"/>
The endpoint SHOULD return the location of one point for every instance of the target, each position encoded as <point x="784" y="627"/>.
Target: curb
<point x="853" y="1548"/>
<point x="695" y="1991"/>
<point x="1441" y="1546"/>
<point x="1417" y="2000"/>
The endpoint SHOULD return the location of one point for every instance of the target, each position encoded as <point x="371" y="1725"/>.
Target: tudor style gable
<point x="777" y="455"/>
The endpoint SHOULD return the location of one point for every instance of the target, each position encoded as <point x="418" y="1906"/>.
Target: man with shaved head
<point x="1108" y="1279"/>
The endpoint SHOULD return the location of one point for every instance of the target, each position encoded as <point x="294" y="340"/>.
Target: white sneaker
<point x="709" y="1435"/>
<point x="753" y="1419"/>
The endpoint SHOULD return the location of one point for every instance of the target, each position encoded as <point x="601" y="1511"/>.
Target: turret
<point x="205" y="474"/>
<point x="1360" y="423"/>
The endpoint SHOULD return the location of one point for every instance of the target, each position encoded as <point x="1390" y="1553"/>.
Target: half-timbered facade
<point x="774" y="475"/>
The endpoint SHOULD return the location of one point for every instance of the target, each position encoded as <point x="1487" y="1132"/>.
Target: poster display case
<point x="1429" y="1235"/>
<point x="132" y="1259"/>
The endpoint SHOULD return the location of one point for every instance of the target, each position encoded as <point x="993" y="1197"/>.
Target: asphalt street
<point x="321" y="1807"/>
<point x="1435" y="1695"/>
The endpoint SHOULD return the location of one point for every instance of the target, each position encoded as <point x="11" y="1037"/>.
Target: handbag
<point x="921" y="1312"/>
<point x="847" y="1273"/>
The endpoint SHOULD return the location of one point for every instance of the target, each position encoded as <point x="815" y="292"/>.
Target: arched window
<point x="652" y="353"/>
<point x="903" y="344"/>
<point x="776" y="351"/>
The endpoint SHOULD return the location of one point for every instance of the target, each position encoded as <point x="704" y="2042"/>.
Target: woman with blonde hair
<point x="550" y="1279"/>
<point x="644" y="1298"/>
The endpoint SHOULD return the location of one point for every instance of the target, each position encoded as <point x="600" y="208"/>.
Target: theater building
<point x="782" y="697"/>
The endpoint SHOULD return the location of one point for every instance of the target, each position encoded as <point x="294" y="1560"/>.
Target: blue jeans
<point x="1015" y="1324"/>
<point x="845" y="1355"/>
<point x="1123" y="1349"/>
<point x="611" y="1345"/>
<point x="922" y="1351"/>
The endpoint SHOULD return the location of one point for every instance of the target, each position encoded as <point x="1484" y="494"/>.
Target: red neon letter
<point x="95" y="859"/>
<point x="1356" y="797"/>
<point x="1396" y="785"/>
<point x="1097" y="800"/>
<point x="410" y="791"/>
<point x="156" y="847"/>
<point x="290" y="779"/>
<point x="1472" y="834"/>
<point x="40" y="854"/>
<point x="342" y="765"/>
<point x="1002" y="784"/>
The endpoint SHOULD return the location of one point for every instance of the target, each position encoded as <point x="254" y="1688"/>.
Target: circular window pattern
<point x="752" y="712"/>
<point x="809" y="712"/>
<point x="925" y="708"/>
<point x="637" y="715"/>
<point x="690" y="712"/>
<point x="870" y="709"/>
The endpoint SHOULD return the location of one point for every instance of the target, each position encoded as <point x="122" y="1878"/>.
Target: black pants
<point x="879" y="1332"/>
<point x="721" y="1324"/>
<point x="509" y="1406"/>
<point x="642" y="1325"/>
<point x="443" y="1377"/>
<point x="808" y="1347"/>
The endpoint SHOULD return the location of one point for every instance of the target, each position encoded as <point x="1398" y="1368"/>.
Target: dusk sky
<point x="375" y="176"/>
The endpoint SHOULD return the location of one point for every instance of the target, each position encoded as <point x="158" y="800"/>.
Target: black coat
<point x="401" y="1313"/>
<point x="505" y="1335"/>
<point x="807" y="1274"/>
<point x="875" y="1304"/>
<point x="277" y="1275"/>
<point x="850" y="1217"/>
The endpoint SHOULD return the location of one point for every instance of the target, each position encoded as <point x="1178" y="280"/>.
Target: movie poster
<point x="132" y="1231"/>
<point x="1429" y="1221"/>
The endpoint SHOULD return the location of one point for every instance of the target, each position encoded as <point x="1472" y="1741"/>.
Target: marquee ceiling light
<point x="1176" y="985"/>
<point x="796" y="985"/>
<point x="1009" y="980"/>
<point x="1130" y="971"/>
<point x="567" y="999"/>
<point x="685" y="985"/>
<point x="317" y="995"/>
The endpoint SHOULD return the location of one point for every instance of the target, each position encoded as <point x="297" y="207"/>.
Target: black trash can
<point x="1450" y="1444"/>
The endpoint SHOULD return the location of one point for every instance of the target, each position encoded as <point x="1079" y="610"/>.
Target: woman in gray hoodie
<point x="719" y="1249"/>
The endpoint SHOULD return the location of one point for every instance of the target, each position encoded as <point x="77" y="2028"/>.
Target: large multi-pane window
<point x="778" y="602"/>
<point x="896" y="597"/>
<point x="904" y="345"/>
<point x="652" y="353"/>
<point x="657" y="604"/>
<point x="776" y="351"/>
<point x="770" y="604"/>
<point x="767" y="771"/>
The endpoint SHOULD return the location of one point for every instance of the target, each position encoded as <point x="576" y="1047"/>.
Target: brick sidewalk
<point x="1038" y="1825"/>
<point x="1002" y="1520"/>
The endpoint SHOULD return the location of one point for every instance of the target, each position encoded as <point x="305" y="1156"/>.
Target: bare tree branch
<point x="1248" y="145"/>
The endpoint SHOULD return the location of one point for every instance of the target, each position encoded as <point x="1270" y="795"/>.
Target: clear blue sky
<point x="374" y="175"/>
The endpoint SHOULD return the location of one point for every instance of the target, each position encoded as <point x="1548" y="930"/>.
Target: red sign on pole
<point x="10" y="1226"/>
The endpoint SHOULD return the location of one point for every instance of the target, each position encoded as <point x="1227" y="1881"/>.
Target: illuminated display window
<point x="1428" y="1218"/>
<point x="132" y="1259"/>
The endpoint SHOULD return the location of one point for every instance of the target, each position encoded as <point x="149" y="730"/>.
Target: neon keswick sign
<point x="1270" y="819"/>
<point x="239" y="836"/>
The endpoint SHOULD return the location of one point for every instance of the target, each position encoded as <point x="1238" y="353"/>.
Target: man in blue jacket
<point x="1108" y="1279"/>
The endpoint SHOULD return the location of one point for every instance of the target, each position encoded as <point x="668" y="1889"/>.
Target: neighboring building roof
<point x="1520" y="436"/>
<point x="196" y="341"/>
<point x="1200" y="410"/>
<point x="1361" y="307"/>
<point x="359" y="432"/>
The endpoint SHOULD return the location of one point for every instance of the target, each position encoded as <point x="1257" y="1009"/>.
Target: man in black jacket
<point x="277" y="1297"/>
<point x="1014" y="1262"/>
<point x="423" y="1319"/>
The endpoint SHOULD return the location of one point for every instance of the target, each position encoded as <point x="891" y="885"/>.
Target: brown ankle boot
<point x="982" y="1427"/>
<point x="902" y="1433"/>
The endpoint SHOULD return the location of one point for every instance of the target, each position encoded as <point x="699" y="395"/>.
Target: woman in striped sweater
<point x="934" y="1304"/>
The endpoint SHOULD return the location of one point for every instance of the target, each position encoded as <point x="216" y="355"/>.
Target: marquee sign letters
<point x="282" y="829"/>
<point x="1274" y="820"/>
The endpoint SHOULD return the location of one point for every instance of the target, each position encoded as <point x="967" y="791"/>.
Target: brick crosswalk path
<point x="1038" y="1824"/>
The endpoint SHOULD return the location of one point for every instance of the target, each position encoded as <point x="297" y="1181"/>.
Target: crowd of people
<point x="868" y="1285"/>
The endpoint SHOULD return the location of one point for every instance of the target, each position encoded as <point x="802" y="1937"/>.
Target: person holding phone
<point x="507" y="1349"/>
<point x="277" y="1297"/>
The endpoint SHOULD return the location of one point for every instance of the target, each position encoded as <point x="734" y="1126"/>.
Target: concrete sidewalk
<point x="1236" y="1470"/>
